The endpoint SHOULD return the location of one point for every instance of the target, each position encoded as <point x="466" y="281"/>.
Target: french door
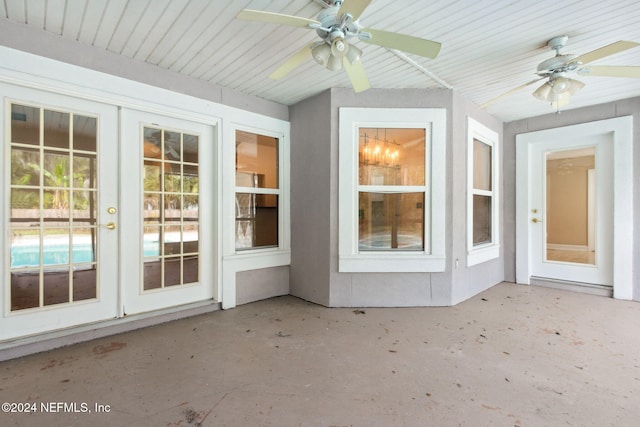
<point x="107" y="212"/>
<point x="167" y="247"/>
<point x="571" y="209"/>
<point x="60" y="211"/>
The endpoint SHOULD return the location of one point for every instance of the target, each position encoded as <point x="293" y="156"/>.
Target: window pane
<point x="56" y="129"/>
<point x="256" y="160"/>
<point x="256" y="220"/>
<point x="56" y="169"/>
<point x="84" y="133"/>
<point x="25" y="204"/>
<point x="25" y="125"/>
<point x="84" y="284"/>
<point x="190" y="148"/>
<point x="172" y="269"/>
<point x="172" y="146"/>
<point x="84" y="245"/>
<point x="25" y="167"/>
<point x="391" y="221"/>
<point x="25" y="247"/>
<point x="391" y="156"/>
<point x="481" y="219"/>
<point x="84" y="171"/>
<point x="25" y="289"/>
<point x="84" y="207"/>
<point x="55" y="248"/>
<point x="56" y="286"/>
<point x="151" y="176"/>
<point x="481" y="165"/>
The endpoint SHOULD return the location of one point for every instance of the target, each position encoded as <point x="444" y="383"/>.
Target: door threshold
<point x="566" y="285"/>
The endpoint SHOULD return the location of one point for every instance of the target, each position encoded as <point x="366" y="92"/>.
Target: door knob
<point x="536" y="220"/>
<point x="109" y="226"/>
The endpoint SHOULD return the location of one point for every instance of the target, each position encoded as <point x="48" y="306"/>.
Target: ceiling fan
<point x="337" y="27"/>
<point x="559" y="87"/>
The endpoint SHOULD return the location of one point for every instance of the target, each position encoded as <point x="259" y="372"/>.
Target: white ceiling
<point x="488" y="47"/>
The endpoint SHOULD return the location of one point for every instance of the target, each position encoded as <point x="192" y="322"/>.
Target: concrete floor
<point x="511" y="356"/>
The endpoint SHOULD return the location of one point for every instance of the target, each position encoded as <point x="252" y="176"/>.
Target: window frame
<point x="483" y="252"/>
<point x="269" y="256"/>
<point x="432" y="258"/>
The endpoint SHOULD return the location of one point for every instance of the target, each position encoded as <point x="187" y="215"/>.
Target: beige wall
<point x="567" y="199"/>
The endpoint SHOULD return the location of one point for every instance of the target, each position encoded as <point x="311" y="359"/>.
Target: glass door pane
<point x="53" y="207"/>
<point x="170" y="208"/>
<point x="570" y="193"/>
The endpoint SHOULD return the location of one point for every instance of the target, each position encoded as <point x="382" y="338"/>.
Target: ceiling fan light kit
<point x="559" y="87"/>
<point x="337" y="26"/>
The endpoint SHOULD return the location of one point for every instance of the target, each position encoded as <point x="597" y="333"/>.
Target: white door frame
<point x="622" y="130"/>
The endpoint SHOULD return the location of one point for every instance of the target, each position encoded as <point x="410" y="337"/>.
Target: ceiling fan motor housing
<point x="333" y="26"/>
<point x="557" y="64"/>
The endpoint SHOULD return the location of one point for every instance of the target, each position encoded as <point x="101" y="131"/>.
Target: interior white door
<point x="559" y="223"/>
<point x="60" y="204"/>
<point x="168" y="211"/>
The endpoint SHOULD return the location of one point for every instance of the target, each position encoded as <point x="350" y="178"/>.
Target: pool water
<point x="29" y="256"/>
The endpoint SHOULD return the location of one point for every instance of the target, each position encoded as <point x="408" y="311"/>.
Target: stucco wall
<point x="469" y="281"/>
<point x="315" y="236"/>
<point x="311" y="198"/>
<point x="255" y="285"/>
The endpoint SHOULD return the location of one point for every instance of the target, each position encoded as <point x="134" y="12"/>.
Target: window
<point x="482" y="203"/>
<point x="171" y="208"/>
<point x="391" y="189"/>
<point x="257" y="191"/>
<point x="391" y="203"/>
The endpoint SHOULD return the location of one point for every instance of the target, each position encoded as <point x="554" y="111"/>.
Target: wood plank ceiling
<point x="488" y="47"/>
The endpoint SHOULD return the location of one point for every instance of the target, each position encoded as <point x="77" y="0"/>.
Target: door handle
<point x="536" y="220"/>
<point x="109" y="226"/>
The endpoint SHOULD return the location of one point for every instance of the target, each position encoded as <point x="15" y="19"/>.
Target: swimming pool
<point x="60" y="254"/>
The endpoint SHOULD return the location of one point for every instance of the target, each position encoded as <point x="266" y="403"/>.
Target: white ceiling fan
<point x="559" y="87"/>
<point x="337" y="27"/>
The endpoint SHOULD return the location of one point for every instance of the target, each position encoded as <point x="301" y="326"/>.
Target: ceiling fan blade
<point x="353" y="8"/>
<point x="275" y="18"/>
<point x="356" y="74"/>
<point x="410" y="44"/>
<point x="605" y="51"/>
<point x="511" y="92"/>
<point x="611" y="71"/>
<point x="296" y="59"/>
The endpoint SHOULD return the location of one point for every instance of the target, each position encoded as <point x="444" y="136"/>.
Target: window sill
<point x="482" y="254"/>
<point x="259" y="258"/>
